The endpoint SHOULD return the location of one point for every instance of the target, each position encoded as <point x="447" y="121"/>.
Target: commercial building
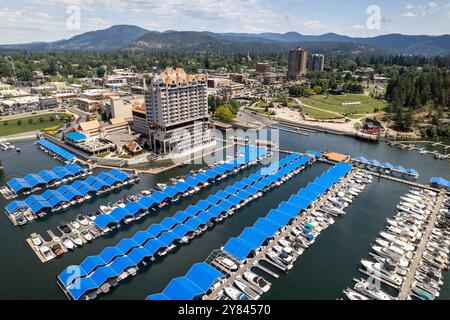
<point x="19" y="105"/>
<point x="139" y="123"/>
<point x="263" y="67"/>
<point x="48" y="103"/>
<point x="297" y="64"/>
<point x="317" y="62"/>
<point x="270" y="78"/>
<point x="177" y="112"/>
<point x="120" y="108"/>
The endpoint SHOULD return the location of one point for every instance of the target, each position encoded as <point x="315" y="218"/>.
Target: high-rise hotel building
<point x="177" y="112"/>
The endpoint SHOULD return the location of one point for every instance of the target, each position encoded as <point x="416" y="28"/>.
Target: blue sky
<point x="47" y="20"/>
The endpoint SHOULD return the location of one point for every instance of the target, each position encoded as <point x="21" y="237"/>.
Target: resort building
<point x="177" y="112"/>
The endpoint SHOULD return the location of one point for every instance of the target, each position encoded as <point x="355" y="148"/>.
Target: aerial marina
<point x="411" y="256"/>
<point x="223" y="158"/>
<point x="248" y="265"/>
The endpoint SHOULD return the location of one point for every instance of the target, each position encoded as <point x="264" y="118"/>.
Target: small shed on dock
<point x="336" y="157"/>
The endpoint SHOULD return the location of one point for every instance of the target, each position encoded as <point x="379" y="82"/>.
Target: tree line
<point x="420" y="95"/>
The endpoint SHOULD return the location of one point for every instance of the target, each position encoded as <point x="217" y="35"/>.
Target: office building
<point x="317" y="62"/>
<point x="297" y="64"/>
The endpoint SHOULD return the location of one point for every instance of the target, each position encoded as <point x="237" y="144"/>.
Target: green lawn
<point x="9" y="127"/>
<point x="318" y="114"/>
<point x="334" y="103"/>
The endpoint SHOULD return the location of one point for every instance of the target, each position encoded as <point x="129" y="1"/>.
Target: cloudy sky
<point x="49" y="20"/>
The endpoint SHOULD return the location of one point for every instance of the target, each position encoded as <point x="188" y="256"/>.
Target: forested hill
<point x="135" y="38"/>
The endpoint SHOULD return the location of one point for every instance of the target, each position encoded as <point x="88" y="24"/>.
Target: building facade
<point x="177" y="112"/>
<point x="297" y="64"/>
<point x="317" y="62"/>
<point x="140" y="123"/>
<point x="263" y="67"/>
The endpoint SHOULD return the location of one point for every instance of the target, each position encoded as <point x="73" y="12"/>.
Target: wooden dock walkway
<point x="405" y="289"/>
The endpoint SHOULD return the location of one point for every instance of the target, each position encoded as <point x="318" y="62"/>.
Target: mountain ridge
<point x="131" y="37"/>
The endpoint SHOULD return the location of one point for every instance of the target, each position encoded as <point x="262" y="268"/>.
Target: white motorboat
<point x="87" y="235"/>
<point x="76" y="239"/>
<point x="257" y="281"/>
<point x="47" y="253"/>
<point x="247" y="290"/>
<point x="235" y="294"/>
<point x="371" y="290"/>
<point x="379" y="270"/>
<point x="352" y="295"/>
<point x="68" y="243"/>
<point x="161" y="186"/>
<point x="227" y="263"/>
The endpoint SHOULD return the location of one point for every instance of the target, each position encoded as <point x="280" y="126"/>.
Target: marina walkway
<point x="405" y="289"/>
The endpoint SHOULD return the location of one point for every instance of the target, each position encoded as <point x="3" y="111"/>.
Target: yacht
<point x="246" y="289"/>
<point x="257" y="281"/>
<point x="379" y="270"/>
<point x="235" y="294"/>
<point x="371" y="290"/>
<point x="227" y="263"/>
<point x="352" y="295"/>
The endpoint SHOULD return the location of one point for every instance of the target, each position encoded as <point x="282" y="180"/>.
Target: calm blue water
<point x="321" y="273"/>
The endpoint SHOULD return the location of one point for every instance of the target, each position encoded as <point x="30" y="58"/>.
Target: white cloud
<point x="423" y="10"/>
<point x="408" y="15"/>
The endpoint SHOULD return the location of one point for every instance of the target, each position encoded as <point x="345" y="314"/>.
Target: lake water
<point x="321" y="273"/>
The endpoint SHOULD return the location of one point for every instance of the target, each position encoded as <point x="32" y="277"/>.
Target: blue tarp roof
<point x="182" y="289"/>
<point x="55" y="149"/>
<point x="146" y="243"/>
<point x="203" y="275"/>
<point x="440" y="181"/>
<point x="67" y="192"/>
<point x="76" y="136"/>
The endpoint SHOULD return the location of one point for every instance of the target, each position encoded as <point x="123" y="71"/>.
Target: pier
<point x="405" y="289"/>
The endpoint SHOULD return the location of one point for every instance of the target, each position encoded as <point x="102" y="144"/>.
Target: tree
<point x="309" y="92"/>
<point x="224" y="113"/>
<point x="297" y="90"/>
<point x="19" y="122"/>
<point x="30" y="121"/>
<point x="101" y="72"/>
<point x="317" y="89"/>
<point x="41" y="120"/>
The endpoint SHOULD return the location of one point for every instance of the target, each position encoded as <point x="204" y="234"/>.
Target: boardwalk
<point x="405" y="289"/>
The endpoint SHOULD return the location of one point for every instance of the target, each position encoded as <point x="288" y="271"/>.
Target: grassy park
<point x="333" y="103"/>
<point x="33" y="123"/>
<point x="319" y="114"/>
